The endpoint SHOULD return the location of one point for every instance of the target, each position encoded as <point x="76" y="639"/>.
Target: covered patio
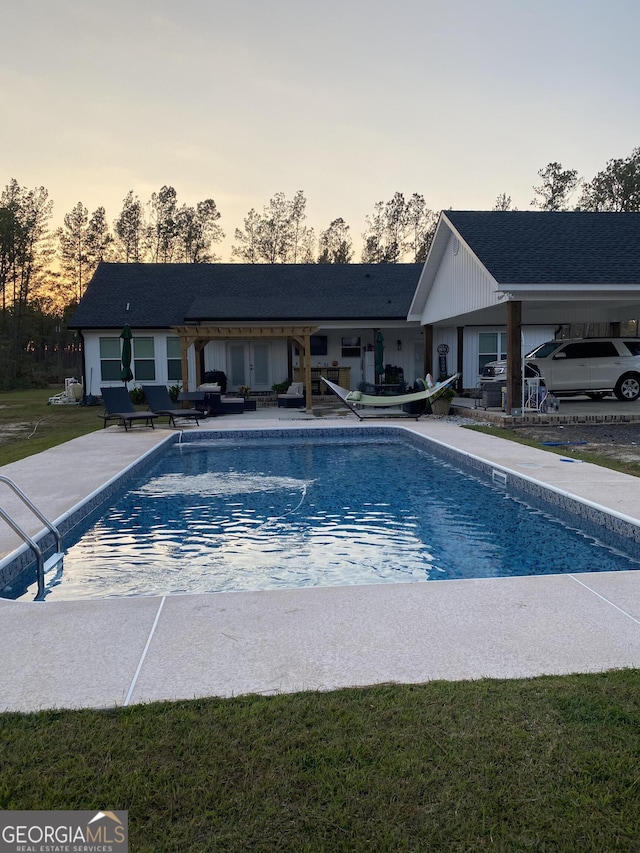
<point x="199" y="335"/>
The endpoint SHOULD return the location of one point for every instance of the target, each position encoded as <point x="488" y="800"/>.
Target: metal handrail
<point x="24" y="536"/>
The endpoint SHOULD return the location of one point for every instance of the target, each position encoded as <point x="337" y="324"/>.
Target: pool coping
<point x="223" y="644"/>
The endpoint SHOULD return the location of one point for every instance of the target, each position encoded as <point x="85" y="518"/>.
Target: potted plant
<point x="441" y="402"/>
<point x="244" y="390"/>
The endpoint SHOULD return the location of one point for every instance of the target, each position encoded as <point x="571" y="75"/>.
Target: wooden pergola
<point x="199" y="336"/>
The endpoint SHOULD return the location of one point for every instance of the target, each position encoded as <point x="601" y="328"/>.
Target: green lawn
<point x="542" y="764"/>
<point x="546" y="764"/>
<point x="28" y="425"/>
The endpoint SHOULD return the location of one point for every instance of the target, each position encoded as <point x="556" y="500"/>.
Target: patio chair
<point x="293" y="398"/>
<point x="160" y="403"/>
<point x="118" y="407"/>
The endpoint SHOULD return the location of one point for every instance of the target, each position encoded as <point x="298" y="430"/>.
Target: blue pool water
<point x="272" y="513"/>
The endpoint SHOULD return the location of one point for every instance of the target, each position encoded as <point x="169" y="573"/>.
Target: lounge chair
<point x="118" y="407"/>
<point x="293" y="398"/>
<point x="160" y="403"/>
<point x="357" y="398"/>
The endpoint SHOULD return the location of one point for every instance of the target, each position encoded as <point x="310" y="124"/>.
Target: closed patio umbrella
<point x="379" y="353"/>
<point x="125" y="374"/>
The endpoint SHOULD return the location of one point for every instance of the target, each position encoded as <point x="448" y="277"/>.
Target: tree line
<point x="44" y="272"/>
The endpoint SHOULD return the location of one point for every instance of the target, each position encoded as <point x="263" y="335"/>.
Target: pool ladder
<point x="43" y="565"/>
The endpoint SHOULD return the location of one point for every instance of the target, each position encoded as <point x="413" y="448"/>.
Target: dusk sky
<point x="348" y="101"/>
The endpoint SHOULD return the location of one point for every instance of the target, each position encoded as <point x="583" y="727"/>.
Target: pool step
<point x="53" y="561"/>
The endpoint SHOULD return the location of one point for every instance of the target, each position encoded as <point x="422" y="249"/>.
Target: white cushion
<point x="209" y="386"/>
<point x="296" y="389"/>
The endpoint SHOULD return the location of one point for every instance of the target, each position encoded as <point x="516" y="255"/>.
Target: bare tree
<point x="503" y="202"/>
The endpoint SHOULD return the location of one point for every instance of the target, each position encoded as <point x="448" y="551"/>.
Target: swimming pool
<point x="262" y="513"/>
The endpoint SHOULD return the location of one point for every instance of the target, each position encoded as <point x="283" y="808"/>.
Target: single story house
<point x="494" y="285"/>
<point x="259" y="324"/>
<point x="497" y="283"/>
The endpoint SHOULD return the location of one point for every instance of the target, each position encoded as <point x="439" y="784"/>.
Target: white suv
<point x="591" y="366"/>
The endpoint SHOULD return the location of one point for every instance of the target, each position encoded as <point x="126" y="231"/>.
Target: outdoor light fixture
<point x="399" y="345"/>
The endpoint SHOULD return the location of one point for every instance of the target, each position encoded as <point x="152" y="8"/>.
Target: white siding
<point x="93" y="380"/>
<point x="403" y="357"/>
<point x="215" y="354"/>
<point x="461" y="285"/>
<point x="445" y="336"/>
<point x="531" y="337"/>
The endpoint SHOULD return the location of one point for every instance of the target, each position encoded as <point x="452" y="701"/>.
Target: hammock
<point x="351" y="398"/>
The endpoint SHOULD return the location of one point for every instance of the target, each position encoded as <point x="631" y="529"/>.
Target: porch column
<point x="460" y="359"/>
<point x="307" y="371"/>
<point x="289" y="360"/>
<point x="184" y="346"/>
<point x="304" y="349"/>
<point x="427" y="350"/>
<point x="199" y="346"/>
<point x="514" y="355"/>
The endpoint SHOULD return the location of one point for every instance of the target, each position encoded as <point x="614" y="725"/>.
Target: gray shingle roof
<point x="536" y="247"/>
<point x="164" y="295"/>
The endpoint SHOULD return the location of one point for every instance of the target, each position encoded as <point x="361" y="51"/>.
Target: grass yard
<point x="28" y="425"/>
<point x="550" y="763"/>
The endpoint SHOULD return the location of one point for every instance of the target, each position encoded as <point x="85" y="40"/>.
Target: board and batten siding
<point x="531" y="337"/>
<point x="460" y="277"/>
<point x="448" y="335"/>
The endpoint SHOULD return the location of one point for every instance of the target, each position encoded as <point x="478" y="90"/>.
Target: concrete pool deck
<point x="73" y="654"/>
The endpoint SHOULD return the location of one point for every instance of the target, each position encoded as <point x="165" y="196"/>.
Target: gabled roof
<point x="543" y="247"/>
<point x="166" y="295"/>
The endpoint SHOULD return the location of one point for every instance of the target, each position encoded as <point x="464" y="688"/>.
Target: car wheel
<point x="628" y="387"/>
<point x="596" y="395"/>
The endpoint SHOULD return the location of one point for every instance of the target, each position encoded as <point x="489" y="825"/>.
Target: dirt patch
<point x="10" y="432"/>
<point x="615" y="441"/>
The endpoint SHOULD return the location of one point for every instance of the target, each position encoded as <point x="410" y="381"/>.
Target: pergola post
<point x="307" y="371"/>
<point x="184" y="362"/>
<point x="199" y="346"/>
<point x="514" y="355"/>
<point x="200" y="334"/>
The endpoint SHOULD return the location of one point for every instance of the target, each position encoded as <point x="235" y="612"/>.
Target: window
<point x="351" y="347"/>
<point x="110" y="363"/>
<point x="589" y="349"/>
<point x="318" y="345"/>
<point x="174" y="360"/>
<point x="144" y="368"/>
<point x="492" y="346"/>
